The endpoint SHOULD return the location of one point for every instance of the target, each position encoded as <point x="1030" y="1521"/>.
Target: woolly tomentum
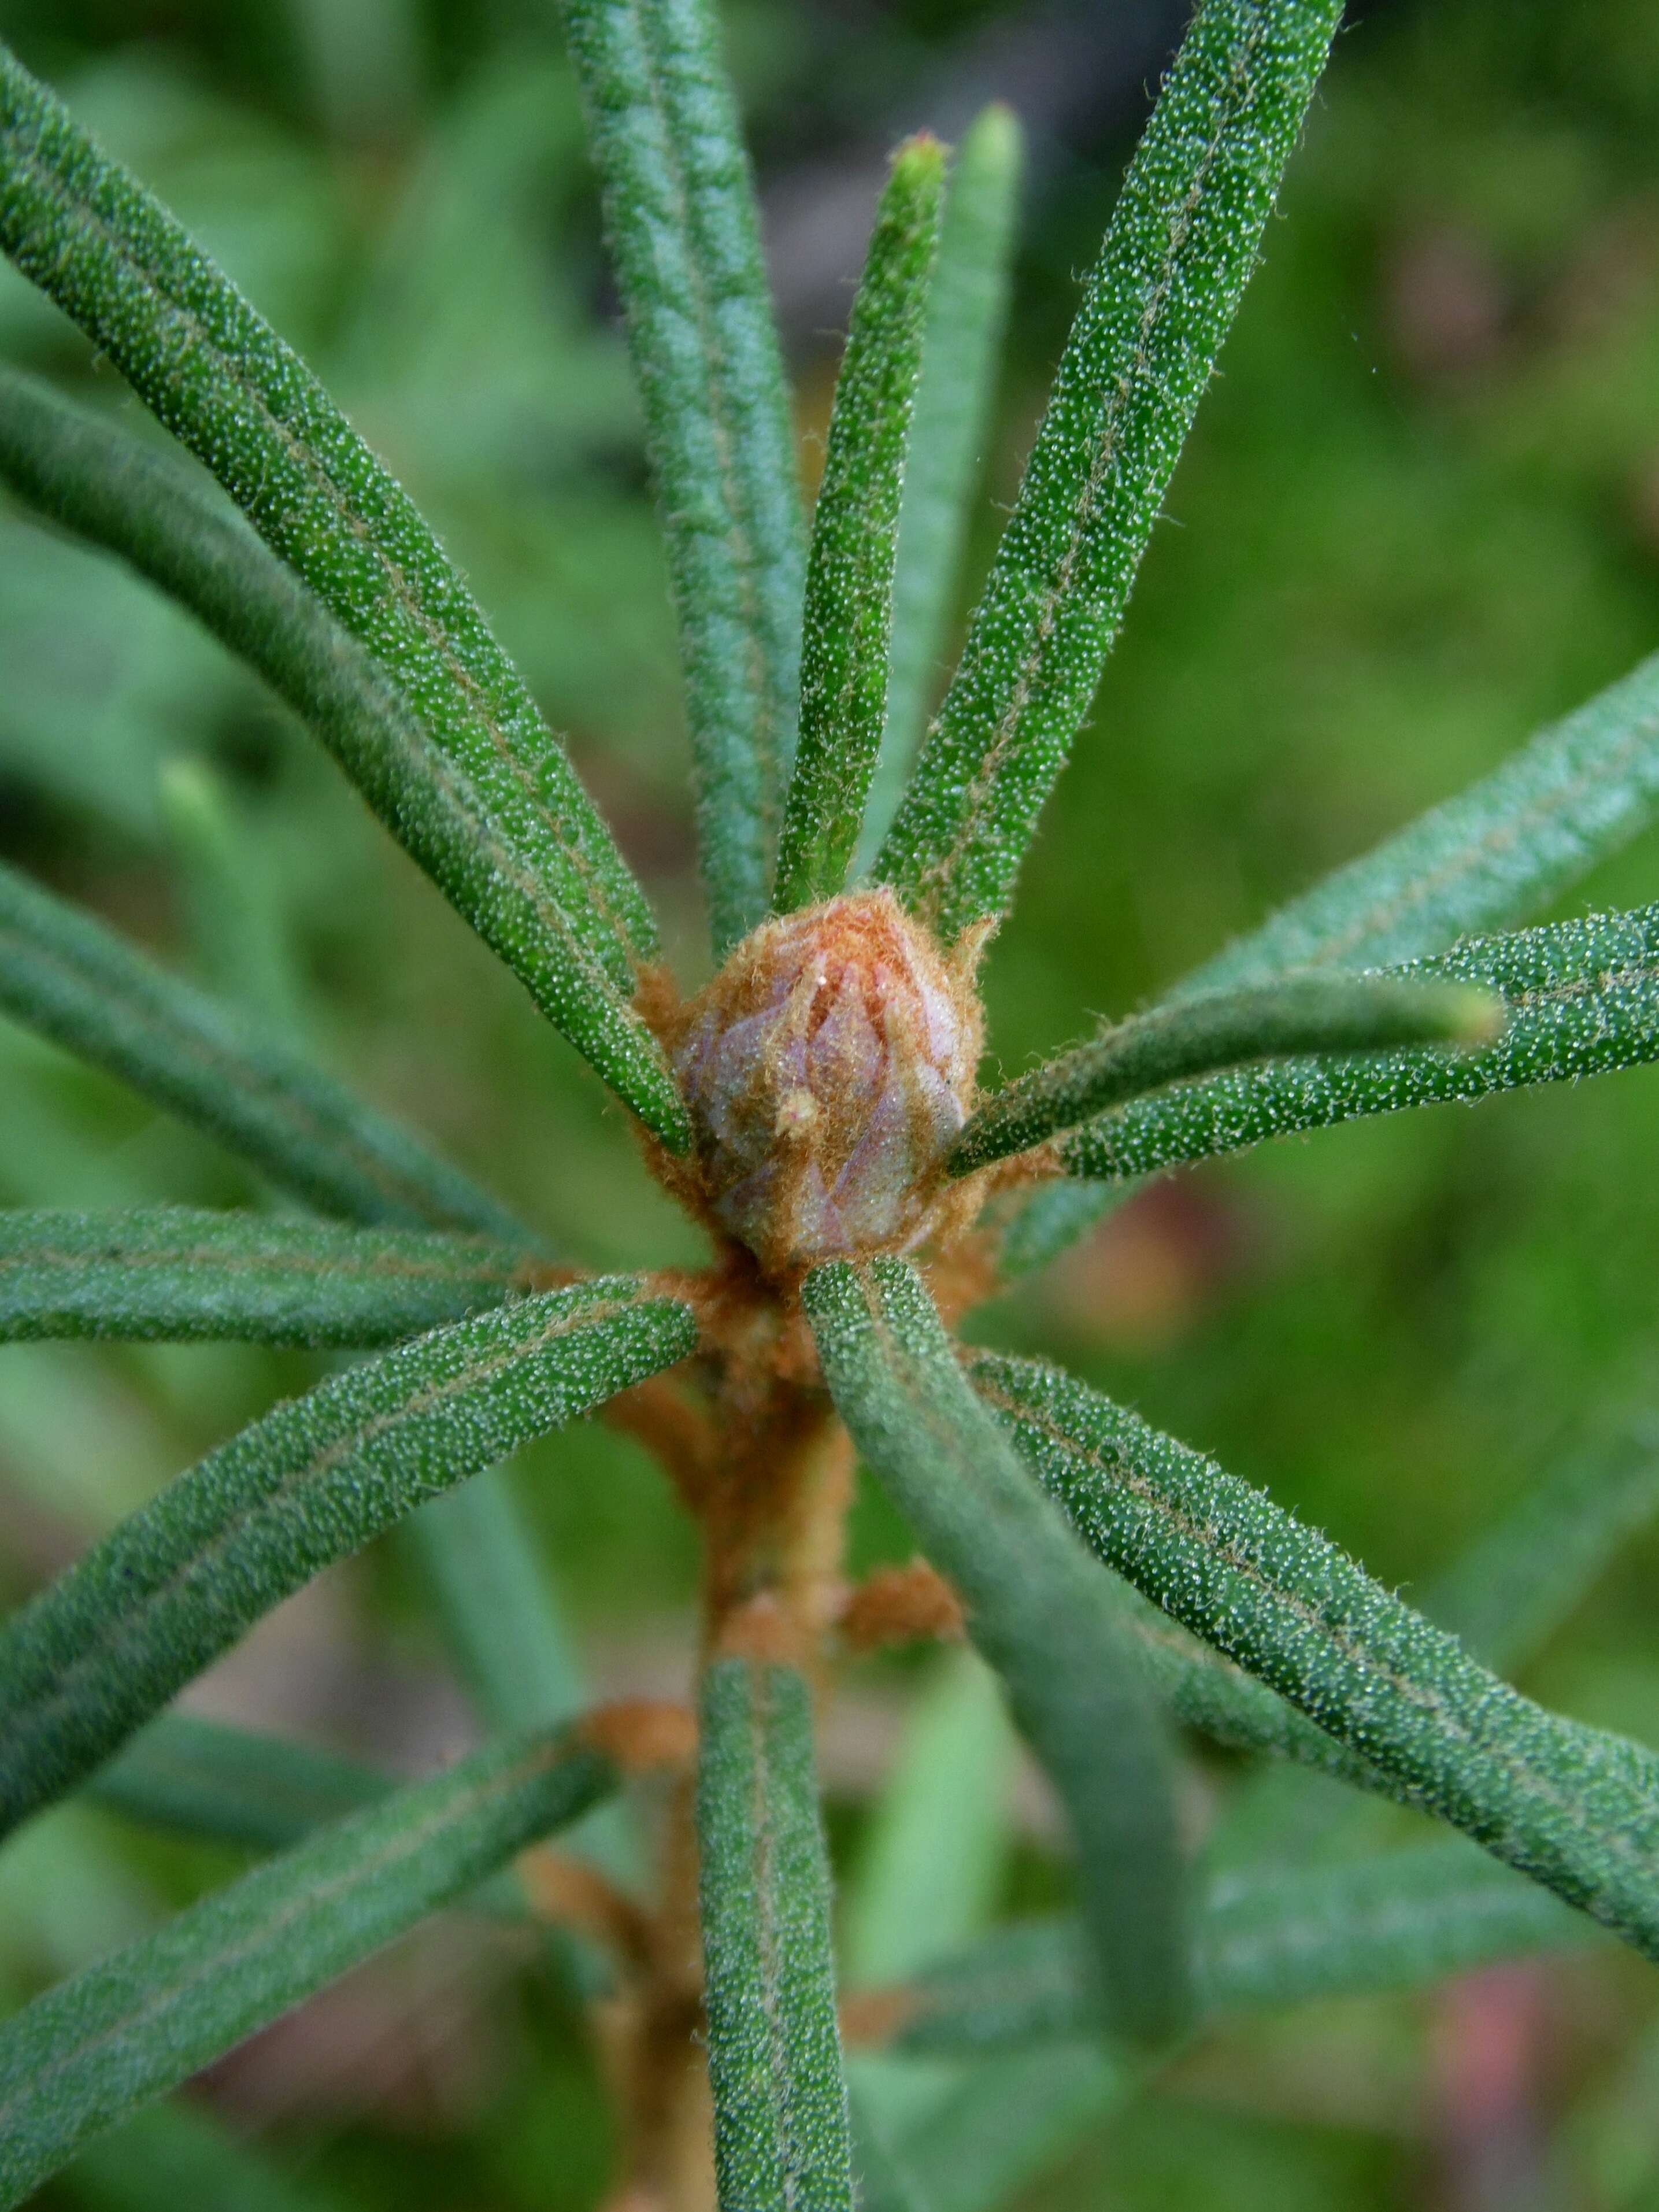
<point x="828" y="1065"/>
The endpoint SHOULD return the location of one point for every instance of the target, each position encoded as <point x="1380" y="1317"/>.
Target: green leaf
<point x="1181" y="244"/>
<point x="1576" y="1809"/>
<point x="206" y="1778"/>
<point x="847" y="627"/>
<point x="462" y="768"/>
<point x="1580" y="790"/>
<point x="66" y="975"/>
<point x="967" y="308"/>
<point x="1039" y="1612"/>
<point x="93" y="1656"/>
<point x="1208" y="1693"/>
<point x="1512" y="1589"/>
<point x="1395" y="1920"/>
<point x="781" y="2126"/>
<point x="234" y="932"/>
<point x="123" y="2031"/>
<point x="1494" y="853"/>
<point x="179" y="1271"/>
<point x="680" y="214"/>
<point x="1307" y="1014"/>
<point x="1583" y="1000"/>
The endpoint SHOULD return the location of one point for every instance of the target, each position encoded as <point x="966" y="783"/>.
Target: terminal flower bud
<point x="828" y="1066"/>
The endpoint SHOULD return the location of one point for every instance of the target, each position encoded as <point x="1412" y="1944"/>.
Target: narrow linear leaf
<point x="1206" y="1693"/>
<point x="1583" y="998"/>
<point x="464" y="774"/>
<point x="1505" y="1596"/>
<point x="206" y="1778"/>
<point x="847" y="627"/>
<point x="234" y="927"/>
<point x="1181" y="244"/>
<point x="1576" y="1809"/>
<point x="1499" y="850"/>
<point x="780" y="2124"/>
<point x="93" y="1656"/>
<point x="1502" y="1598"/>
<point x="65" y="975"/>
<point x="967" y="308"/>
<point x="123" y="2031"/>
<point x="178" y="1273"/>
<point x="261" y="1793"/>
<point x="1395" y="1920"/>
<point x="1306" y="1014"/>
<point x="680" y="214"/>
<point x="1039" y="1612"/>
<point x="1579" y="791"/>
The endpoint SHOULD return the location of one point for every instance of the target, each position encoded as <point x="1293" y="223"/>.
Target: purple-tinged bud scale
<point x="828" y="1067"/>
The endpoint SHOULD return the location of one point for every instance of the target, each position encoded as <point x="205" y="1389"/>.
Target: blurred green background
<point x="1419" y="518"/>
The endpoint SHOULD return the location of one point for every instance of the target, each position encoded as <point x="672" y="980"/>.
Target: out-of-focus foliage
<point x="1418" y="517"/>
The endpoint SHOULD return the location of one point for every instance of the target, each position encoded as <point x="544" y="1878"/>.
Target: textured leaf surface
<point x="1306" y="1014"/>
<point x="206" y="1778"/>
<point x="176" y="1271"/>
<point x="1038" y="1610"/>
<point x="1183" y="240"/>
<point x="465" y="772"/>
<point x="123" y="2033"/>
<point x="1486" y="858"/>
<point x="847" y="626"/>
<point x="680" y="215"/>
<point x="1576" y="1809"/>
<point x="1397" y="1921"/>
<point x="780" y="2125"/>
<point x="66" y="975"/>
<point x="967" y="308"/>
<point x="98" y="1653"/>
<point x="1583" y="1000"/>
